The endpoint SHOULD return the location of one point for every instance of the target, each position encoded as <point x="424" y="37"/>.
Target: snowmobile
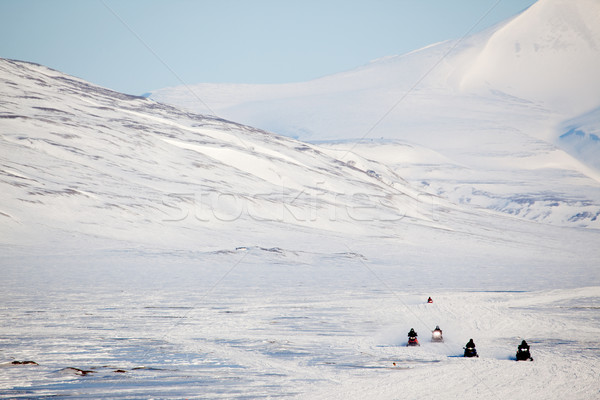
<point x="436" y="335"/>
<point x="523" y="353"/>
<point x="412" y="338"/>
<point x="470" y="350"/>
<point x="413" y="341"/>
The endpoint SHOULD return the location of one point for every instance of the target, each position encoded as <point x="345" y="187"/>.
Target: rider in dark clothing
<point x="470" y="349"/>
<point x="523" y="352"/>
<point x="524" y="346"/>
<point x="412" y="333"/>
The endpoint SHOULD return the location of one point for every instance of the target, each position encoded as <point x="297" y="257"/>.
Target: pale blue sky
<point x="135" y="46"/>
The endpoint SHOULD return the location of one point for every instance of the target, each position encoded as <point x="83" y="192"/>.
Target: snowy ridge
<point x="70" y="148"/>
<point x="548" y="54"/>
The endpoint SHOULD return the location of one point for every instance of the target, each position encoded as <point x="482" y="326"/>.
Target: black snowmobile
<point x="523" y="353"/>
<point x="412" y="338"/>
<point x="470" y="350"/>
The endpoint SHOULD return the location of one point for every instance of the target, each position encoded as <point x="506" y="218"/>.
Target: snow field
<point x="272" y="328"/>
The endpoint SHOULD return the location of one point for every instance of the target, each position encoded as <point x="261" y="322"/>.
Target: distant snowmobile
<point x="436" y="335"/>
<point x="430" y="300"/>
<point x="470" y="350"/>
<point x="523" y="353"/>
<point x="412" y="338"/>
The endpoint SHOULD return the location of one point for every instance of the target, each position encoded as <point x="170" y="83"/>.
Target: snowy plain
<point x="151" y="252"/>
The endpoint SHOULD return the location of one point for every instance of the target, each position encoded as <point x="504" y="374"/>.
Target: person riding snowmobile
<point x="523" y="353"/>
<point x="470" y="350"/>
<point x="436" y="334"/>
<point x="412" y="338"/>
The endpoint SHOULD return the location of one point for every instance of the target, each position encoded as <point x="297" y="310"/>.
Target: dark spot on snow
<point x="272" y="250"/>
<point x="65" y="135"/>
<point x="43" y="192"/>
<point x="77" y="371"/>
<point x="223" y="252"/>
<point x="52" y="110"/>
<point x="24" y="363"/>
<point x="232" y="312"/>
<point x="350" y="255"/>
<point x="148" y="369"/>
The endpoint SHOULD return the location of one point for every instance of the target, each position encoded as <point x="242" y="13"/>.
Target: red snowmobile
<point x="412" y="338"/>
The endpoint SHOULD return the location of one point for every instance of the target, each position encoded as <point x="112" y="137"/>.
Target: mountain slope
<point x="81" y="159"/>
<point x="541" y="63"/>
<point x="493" y="105"/>
<point x="549" y="54"/>
<point x="81" y="164"/>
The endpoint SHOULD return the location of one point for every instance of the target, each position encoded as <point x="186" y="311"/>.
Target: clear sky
<point x="135" y="46"/>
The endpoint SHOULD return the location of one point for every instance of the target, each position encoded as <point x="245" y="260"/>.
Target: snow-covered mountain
<point x="549" y="54"/>
<point x="84" y="167"/>
<point x="544" y="59"/>
<point x="77" y="158"/>
<point x="151" y="252"/>
<point x="496" y="106"/>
